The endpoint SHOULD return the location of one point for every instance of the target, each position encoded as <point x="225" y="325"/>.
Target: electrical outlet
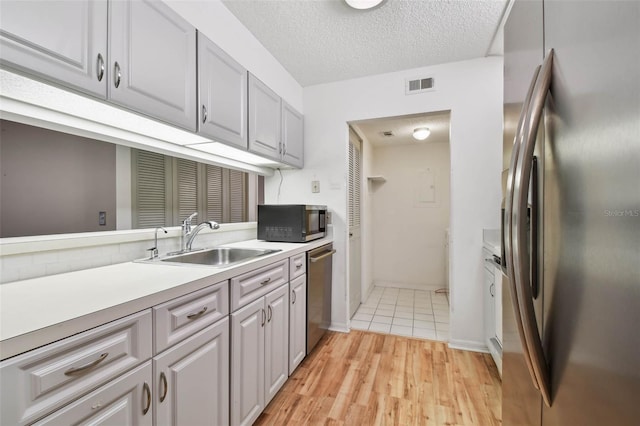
<point x="315" y="186"/>
<point x="102" y="218"/>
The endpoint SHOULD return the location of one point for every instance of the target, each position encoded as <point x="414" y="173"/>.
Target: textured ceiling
<point x="320" y="41"/>
<point x="402" y="128"/>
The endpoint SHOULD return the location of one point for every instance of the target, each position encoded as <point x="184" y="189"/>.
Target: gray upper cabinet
<point x="222" y="95"/>
<point x="152" y="60"/>
<point x="264" y="120"/>
<point x="292" y="136"/>
<point x="64" y="41"/>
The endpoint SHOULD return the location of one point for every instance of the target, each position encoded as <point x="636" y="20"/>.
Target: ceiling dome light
<point x="421" y="133"/>
<point x="363" y="4"/>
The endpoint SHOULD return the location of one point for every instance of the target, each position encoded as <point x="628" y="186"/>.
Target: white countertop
<point x="39" y="311"/>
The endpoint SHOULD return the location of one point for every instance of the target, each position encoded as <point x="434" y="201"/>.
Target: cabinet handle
<point x="264" y="318"/>
<point x="293" y="297"/>
<point x="491" y="290"/>
<point x="197" y="314"/>
<point x="270" y="315"/>
<point x="279" y="147"/>
<point x="204" y="114"/>
<point x="267" y="281"/>
<point x="100" y="67"/>
<point x="284" y="149"/>
<point x="165" y="385"/>
<point x="118" y="74"/>
<point x="86" y="367"/>
<point x="298" y="265"/>
<point x="146" y="404"/>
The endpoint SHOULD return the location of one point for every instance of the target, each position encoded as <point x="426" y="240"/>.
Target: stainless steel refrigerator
<point x="571" y="299"/>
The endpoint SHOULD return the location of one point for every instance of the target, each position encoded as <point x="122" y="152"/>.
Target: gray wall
<point x="54" y="183"/>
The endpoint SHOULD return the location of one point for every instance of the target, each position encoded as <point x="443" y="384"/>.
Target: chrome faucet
<point x="154" y="249"/>
<point x="192" y="234"/>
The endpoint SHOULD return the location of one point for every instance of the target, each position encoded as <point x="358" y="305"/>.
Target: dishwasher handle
<point x="322" y="256"/>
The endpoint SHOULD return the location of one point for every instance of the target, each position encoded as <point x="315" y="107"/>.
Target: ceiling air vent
<point x="419" y="85"/>
<point x="387" y="133"/>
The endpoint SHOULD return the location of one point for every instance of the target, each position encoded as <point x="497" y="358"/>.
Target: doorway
<point x="403" y="239"/>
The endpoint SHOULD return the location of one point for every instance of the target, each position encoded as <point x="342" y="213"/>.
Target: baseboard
<point x="341" y="328"/>
<point x="408" y="286"/>
<point x="469" y="345"/>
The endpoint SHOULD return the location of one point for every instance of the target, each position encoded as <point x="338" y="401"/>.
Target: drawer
<point x="40" y="381"/>
<point x="121" y="401"/>
<point x="298" y="265"/>
<point x="248" y="287"/>
<point x="179" y="318"/>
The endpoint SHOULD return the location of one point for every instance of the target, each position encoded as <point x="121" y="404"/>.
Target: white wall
<point x="216" y="22"/>
<point x="472" y="90"/>
<point x="410" y="216"/>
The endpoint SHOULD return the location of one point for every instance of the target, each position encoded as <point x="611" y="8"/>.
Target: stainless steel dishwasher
<point x="319" y="270"/>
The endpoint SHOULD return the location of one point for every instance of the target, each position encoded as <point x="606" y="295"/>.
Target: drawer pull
<point x="267" y="281"/>
<point x="86" y="367"/>
<point x="298" y="265"/>
<point x="165" y="385"/>
<point x="197" y="314"/>
<point x="147" y="390"/>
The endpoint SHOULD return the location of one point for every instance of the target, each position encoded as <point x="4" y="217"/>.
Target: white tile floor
<point x="404" y="312"/>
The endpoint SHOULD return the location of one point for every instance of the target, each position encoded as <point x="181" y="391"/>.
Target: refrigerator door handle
<point x="508" y="223"/>
<point x="520" y="243"/>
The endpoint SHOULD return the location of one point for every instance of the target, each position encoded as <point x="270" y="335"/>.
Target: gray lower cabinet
<point x="191" y="379"/>
<point x="297" y="321"/>
<point x="292" y="136"/>
<point x="125" y="401"/>
<point x="222" y="95"/>
<point x="37" y="383"/>
<point x="264" y="120"/>
<point x="247" y="363"/>
<point x="259" y="354"/>
<point x="152" y="61"/>
<point x="64" y="42"/>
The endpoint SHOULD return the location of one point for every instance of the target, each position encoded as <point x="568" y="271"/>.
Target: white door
<point x="247" y="363"/>
<point x="276" y="342"/>
<point x="355" y="183"/>
<point x="297" y="322"/>
<point x="191" y="379"/>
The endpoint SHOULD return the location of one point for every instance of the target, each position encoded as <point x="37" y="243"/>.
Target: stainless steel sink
<point x="218" y="256"/>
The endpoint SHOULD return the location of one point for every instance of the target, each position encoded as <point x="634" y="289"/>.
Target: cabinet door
<point x="292" y="136"/>
<point x="489" y="307"/>
<point x="264" y="120"/>
<point x="191" y="380"/>
<point x="297" y="322"/>
<point x="276" y="341"/>
<point x="152" y="59"/>
<point x="247" y="363"/>
<point x="125" y="401"/>
<point x="61" y="41"/>
<point x="222" y="94"/>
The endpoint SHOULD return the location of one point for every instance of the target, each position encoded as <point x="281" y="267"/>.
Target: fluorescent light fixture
<point x="421" y="133"/>
<point x="31" y="102"/>
<point x="363" y="4"/>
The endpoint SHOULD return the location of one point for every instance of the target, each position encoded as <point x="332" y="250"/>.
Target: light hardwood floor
<point x="364" y="378"/>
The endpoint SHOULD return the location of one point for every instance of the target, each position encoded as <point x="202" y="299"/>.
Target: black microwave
<point x="291" y="223"/>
